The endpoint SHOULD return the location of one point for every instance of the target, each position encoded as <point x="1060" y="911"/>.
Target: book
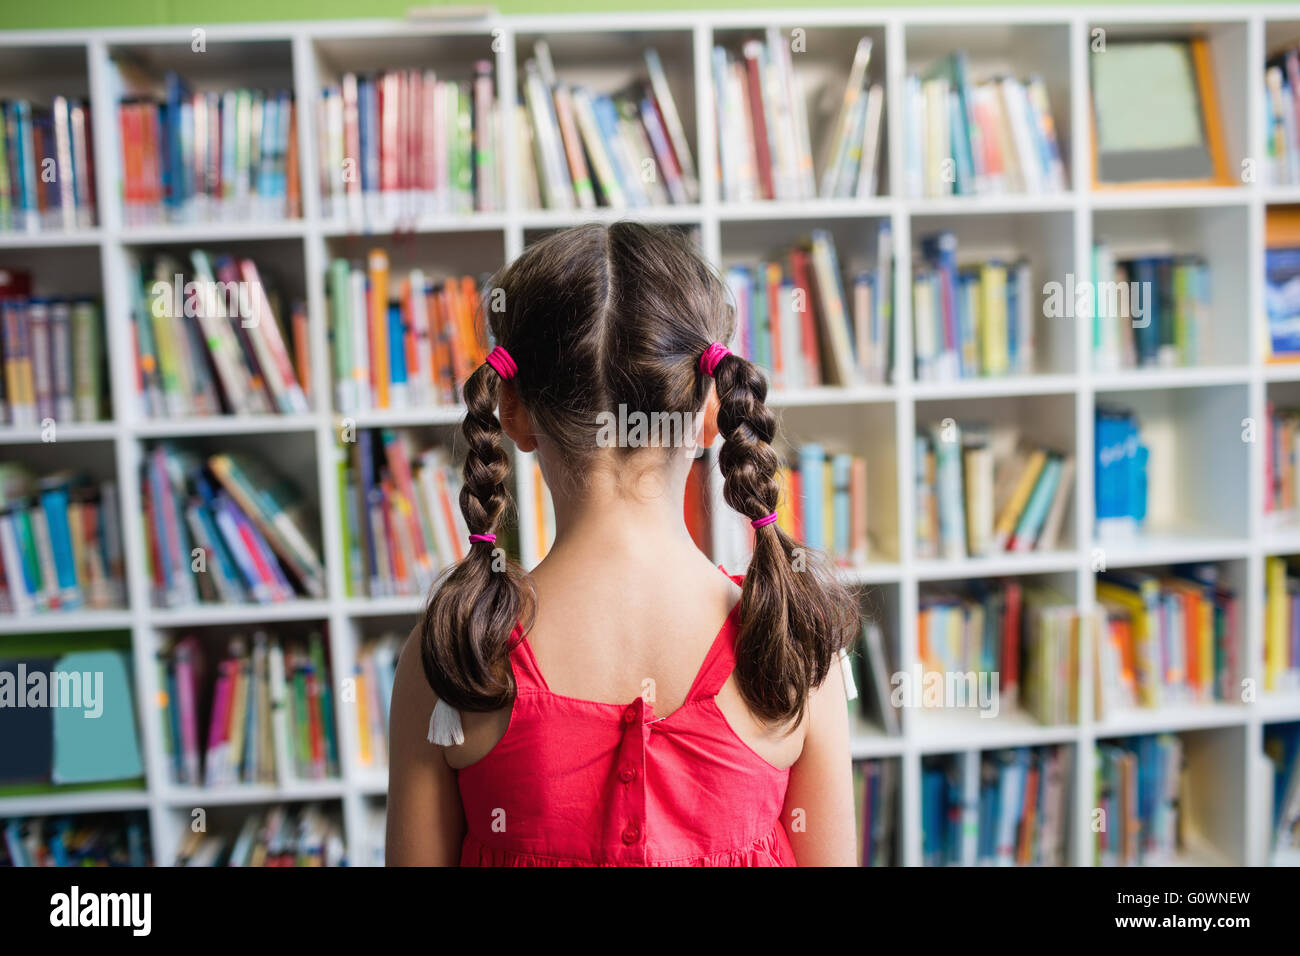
<point x="826" y="504"/>
<point x="796" y="321"/>
<point x="47" y="171"/>
<point x="96" y="839"/>
<point x="269" y="714"/>
<point x="1120" y="485"/>
<point x="973" y="319"/>
<point x="224" y="529"/>
<point x="402" y="520"/>
<point x="279" y="835"/>
<point x="401" y="341"/>
<point x="208" y="155"/>
<point x="52" y="355"/>
<point x="1148" y="311"/>
<point x="210" y="339"/>
<point x="400" y="145"/>
<point x="621" y="149"/>
<point x="876" y="802"/>
<point x="997" y="808"/>
<point x="60" y="543"/>
<point x="1138" y="790"/>
<point x="762" y="127"/>
<point x="968" y="137"/>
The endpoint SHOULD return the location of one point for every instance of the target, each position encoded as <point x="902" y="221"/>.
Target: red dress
<point x="581" y="783"/>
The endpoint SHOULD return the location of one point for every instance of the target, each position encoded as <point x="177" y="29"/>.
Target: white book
<point x="868" y="161"/>
<point x="284" y="772"/>
<point x="970" y="807"/>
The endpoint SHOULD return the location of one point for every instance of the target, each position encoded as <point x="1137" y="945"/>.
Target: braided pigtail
<point x="466" y="628"/>
<point x="796" y="615"/>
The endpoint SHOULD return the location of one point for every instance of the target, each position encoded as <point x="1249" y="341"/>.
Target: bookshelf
<point x="1207" y="480"/>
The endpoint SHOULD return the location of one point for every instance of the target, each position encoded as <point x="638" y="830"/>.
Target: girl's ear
<point x="709" y="431"/>
<point x="514" y="418"/>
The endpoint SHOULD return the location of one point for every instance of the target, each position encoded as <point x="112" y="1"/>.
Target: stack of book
<point x="764" y="148"/>
<point x="1139" y="790"/>
<point x="999" y="808"/>
<point x="53" y="355"/>
<point x="1281" y="476"/>
<point x="824" y="503"/>
<point x="400" y="342"/>
<point x="1025" y="638"/>
<point x="974" y="320"/>
<point x="89" y="840"/>
<point x="973" y="139"/>
<point x="1167" y="639"/>
<point x="403" y="144"/>
<point x="269" y="710"/>
<point x="223" y="529"/>
<point x="875" y="793"/>
<point x="1282" y="120"/>
<point x="1282" y="751"/>
<point x="977" y="496"/>
<point x="579" y="149"/>
<point x="211" y="156"/>
<point x="208" y="340"/>
<point x="47" y="169"/>
<point x="1281" y="625"/>
<point x="794" y="320"/>
<point x="401" y="516"/>
<point x="1121" y="472"/>
<point x="1149" y="311"/>
<point x="376" y="668"/>
<point x="277" y="836"/>
<point x="60" y="543"/>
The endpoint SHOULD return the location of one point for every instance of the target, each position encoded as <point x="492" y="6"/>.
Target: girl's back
<point x="625" y="703"/>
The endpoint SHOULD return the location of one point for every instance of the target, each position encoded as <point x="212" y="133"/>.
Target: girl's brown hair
<point x="597" y="317"/>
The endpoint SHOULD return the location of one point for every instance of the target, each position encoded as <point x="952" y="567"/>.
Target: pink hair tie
<point x="501" y="361"/>
<point x="489" y="538"/>
<point x="763" y="521"/>
<point x="714" y="354"/>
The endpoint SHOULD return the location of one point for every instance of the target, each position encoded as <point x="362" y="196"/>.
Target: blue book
<point x="54" y="502"/>
<point x="368" y="124"/>
<point x="1146" y="330"/>
<point x="841" y="510"/>
<point x="1013" y="326"/>
<point x="812" y="474"/>
<point x="760" y="320"/>
<point x="1040" y="500"/>
<point x="396" y="347"/>
<point x="607" y="120"/>
<point x="1282" y="299"/>
<point x="932" y="816"/>
<point x="175" y="97"/>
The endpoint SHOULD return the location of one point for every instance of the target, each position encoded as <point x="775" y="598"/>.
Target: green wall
<point x="36" y="14"/>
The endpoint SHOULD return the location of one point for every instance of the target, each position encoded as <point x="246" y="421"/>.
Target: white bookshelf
<point x="1205" y="488"/>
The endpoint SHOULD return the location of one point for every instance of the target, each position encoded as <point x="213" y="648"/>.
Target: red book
<point x="1011" y="640"/>
<point x="801" y="267"/>
<point x="762" y="149"/>
<point x="796" y="502"/>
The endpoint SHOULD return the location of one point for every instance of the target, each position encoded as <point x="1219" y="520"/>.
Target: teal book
<point x="96" y="741"/>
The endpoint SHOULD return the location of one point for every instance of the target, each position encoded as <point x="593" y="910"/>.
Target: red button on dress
<point x="584" y="783"/>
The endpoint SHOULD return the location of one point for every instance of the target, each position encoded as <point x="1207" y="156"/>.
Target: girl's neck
<point x="609" y="518"/>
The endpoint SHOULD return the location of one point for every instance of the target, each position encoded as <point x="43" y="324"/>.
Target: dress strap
<point x="720" y="661"/>
<point x="528" y="676"/>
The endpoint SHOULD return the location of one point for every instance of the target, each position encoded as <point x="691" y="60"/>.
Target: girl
<point x="593" y="712"/>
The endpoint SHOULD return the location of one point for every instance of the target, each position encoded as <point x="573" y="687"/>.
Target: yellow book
<point x="379" y="372"/>
<point x="1137" y="605"/>
<point x="1276" y="623"/>
<point x="1006" y="525"/>
<point x="363" y="718"/>
<point x="784" y="504"/>
<point x="993" y="311"/>
<point x="1206" y="638"/>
